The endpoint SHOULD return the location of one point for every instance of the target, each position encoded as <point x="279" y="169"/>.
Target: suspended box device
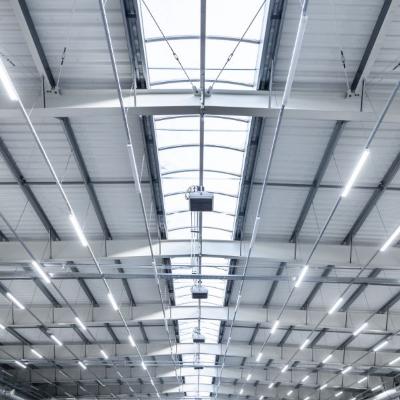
<point x="201" y="201"/>
<point x="199" y="292"/>
<point x="198" y="365"/>
<point x="197" y="336"/>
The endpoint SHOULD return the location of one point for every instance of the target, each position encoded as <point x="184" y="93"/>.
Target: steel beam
<point x="32" y="39"/>
<point x="374" y="43"/>
<point x="127" y="288"/>
<point x="286" y="335"/>
<point x="373" y="274"/>
<point x="274" y="284"/>
<point x="110" y="330"/>
<point x="271" y="40"/>
<point x="317" y="286"/>
<point x="372" y="201"/>
<point x="16" y="172"/>
<point x="80" y="162"/>
<point x="389" y="304"/>
<point x="323" y="165"/>
<point x="85" y="288"/>
<point x="104" y="103"/>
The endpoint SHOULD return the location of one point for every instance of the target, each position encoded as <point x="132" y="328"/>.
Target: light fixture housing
<point x="355" y="173"/>
<point x="7" y="82"/>
<point x="380" y="345"/>
<point x="360" y="329"/>
<point x="289" y="393"/>
<point x="78" y="230"/>
<point x="327" y="358"/>
<point x="338" y="394"/>
<point x="274" y="327"/>
<point x="301" y="276"/>
<point x="347" y="369"/>
<point x="259" y="355"/>
<point x="104" y="354"/>
<point x="20" y="364"/>
<point x="131" y="341"/>
<point x="305" y="378"/>
<point x="339" y="301"/>
<point x="324" y="386"/>
<point x="80" y="323"/>
<point x="285" y="368"/>
<point x="56" y="340"/>
<point x="36" y="353"/>
<point x="82" y="365"/>
<point x="36" y="266"/>
<point x="112" y="301"/>
<point x="391" y="239"/>
<point x="305" y="344"/>
<point x="15" y="301"/>
<point x="271" y="385"/>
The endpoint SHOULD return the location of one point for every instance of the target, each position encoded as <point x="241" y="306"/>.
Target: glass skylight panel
<point x="180" y="23"/>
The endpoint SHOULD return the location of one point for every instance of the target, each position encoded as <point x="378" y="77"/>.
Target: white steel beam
<point x="319" y="106"/>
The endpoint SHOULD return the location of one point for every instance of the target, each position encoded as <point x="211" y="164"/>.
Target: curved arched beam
<point x="245" y="121"/>
<point x="219" y="193"/>
<point x="194" y="37"/>
<point x="180" y="228"/>
<point x="160" y="83"/>
<point x="218" y="146"/>
<point x="188" y="211"/>
<point x="215" y="171"/>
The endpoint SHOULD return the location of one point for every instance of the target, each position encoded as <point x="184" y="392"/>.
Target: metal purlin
<point x="135" y="172"/>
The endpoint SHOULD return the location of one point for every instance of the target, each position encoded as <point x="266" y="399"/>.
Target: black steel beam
<point x="373" y="274"/>
<point x="249" y="167"/>
<point x="18" y="336"/>
<point x="316" y="287"/>
<point x="35" y="37"/>
<point x="274" y="285"/>
<point x="390" y="303"/>
<point x="285" y="337"/>
<point x="86" y="289"/>
<point x="317" y="338"/>
<point x="271" y="41"/>
<point x="133" y="31"/>
<point x="254" y="335"/>
<point x="14" y="169"/>
<point x="346" y="342"/>
<point x="127" y="288"/>
<point x="376" y="195"/>
<point x="155" y="174"/>
<point x="80" y="334"/>
<point x="80" y="162"/>
<point x="371" y="43"/>
<point x="110" y="330"/>
<point x="143" y="331"/>
<point x="323" y="165"/>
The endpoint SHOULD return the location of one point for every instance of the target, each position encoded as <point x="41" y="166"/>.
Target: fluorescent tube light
<point x="305" y="378"/>
<point x="80" y="323"/>
<point x="7" y="82"/>
<point x="394" y="361"/>
<point x="144" y="365"/>
<point x="363" y="379"/>
<point x="82" y="365"/>
<point x="36" y="353"/>
<point x="380" y="345"/>
<point x="132" y="342"/>
<point x="391" y="239"/>
<point x="360" y="329"/>
<point x="259" y="357"/>
<point x="255" y="231"/>
<point x="274" y="327"/>
<point x="285" y="368"/>
<point x="20" y="364"/>
<point x="112" y="301"/>
<point x="355" y="173"/>
<point x="301" y="276"/>
<point x="271" y="385"/>
<point x="56" y="340"/>
<point x="305" y="344"/>
<point x="78" y="230"/>
<point x="327" y="358"/>
<point x="241" y="391"/>
<point x="134" y="168"/>
<point x="40" y="272"/>
<point x="261" y="397"/>
<point x="289" y="392"/>
<point x="336" y="305"/>
<point x="15" y="301"/>
<point x="131" y="390"/>
<point x="2" y="327"/>
<point x="324" y="386"/>
<point x="306" y="398"/>
<point x="375" y="388"/>
<point x="386" y="393"/>
<point x="104" y="354"/>
<point x="248" y="377"/>
<point x="338" y="394"/>
<point x="347" y="369"/>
